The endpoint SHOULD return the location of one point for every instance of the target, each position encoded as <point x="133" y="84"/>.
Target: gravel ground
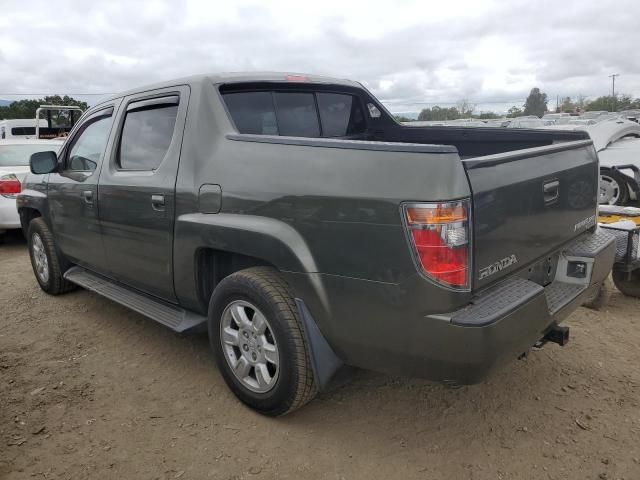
<point x="89" y="389"/>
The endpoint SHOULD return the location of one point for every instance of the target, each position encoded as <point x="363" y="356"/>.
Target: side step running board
<point x="174" y="317"/>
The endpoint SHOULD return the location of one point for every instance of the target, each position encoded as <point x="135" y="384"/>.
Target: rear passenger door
<point x="136" y="190"/>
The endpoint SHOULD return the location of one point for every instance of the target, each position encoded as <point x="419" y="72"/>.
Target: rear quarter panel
<point x="341" y="200"/>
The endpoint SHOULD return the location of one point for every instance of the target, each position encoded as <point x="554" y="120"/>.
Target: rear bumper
<point x="9" y="218"/>
<point x="498" y="325"/>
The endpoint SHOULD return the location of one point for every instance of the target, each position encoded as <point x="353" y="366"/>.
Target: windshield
<point x="18" y="155"/>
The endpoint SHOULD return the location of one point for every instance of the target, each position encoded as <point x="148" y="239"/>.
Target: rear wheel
<point x="627" y="283"/>
<point x="258" y="342"/>
<point x="45" y="260"/>
<point x="613" y="188"/>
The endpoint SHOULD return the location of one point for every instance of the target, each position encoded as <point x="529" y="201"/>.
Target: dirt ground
<point x="89" y="389"/>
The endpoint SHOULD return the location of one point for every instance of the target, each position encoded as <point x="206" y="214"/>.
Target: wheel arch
<point x="26" y="215"/>
<point x="625" y="182"/>
<point x="213" y="265"/>
<point x="215" y="246"/>
<point x="32" y="203"/>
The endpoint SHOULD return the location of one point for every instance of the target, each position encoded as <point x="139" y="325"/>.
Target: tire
<point x="612" y="181"/>
<point x="42" y="246"/>
<point x="289" y="383"/>
<point x="601" y="298"/>
<point x="628" y="286"/>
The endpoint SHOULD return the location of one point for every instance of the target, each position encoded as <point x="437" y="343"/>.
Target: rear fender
<point x="268" y="239"/>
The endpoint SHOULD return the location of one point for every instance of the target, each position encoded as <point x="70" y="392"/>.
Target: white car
<point x="14" y="167"/>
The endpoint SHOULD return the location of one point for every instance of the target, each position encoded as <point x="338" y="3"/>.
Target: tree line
<point x="27" y="108"/>
<point x="535" y="104"/>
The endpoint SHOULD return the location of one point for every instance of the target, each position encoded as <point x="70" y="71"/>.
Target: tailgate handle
<point x="551" y="191"/>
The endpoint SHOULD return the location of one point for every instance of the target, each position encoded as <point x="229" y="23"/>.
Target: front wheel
<point x="45" y="260"/>
<point x="258" y="342"/>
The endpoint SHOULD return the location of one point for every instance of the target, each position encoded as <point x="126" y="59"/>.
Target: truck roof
<point x="242" y="77"/>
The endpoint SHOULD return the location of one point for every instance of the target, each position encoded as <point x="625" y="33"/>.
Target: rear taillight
<point x="441" y="240"/>
<point x="10" y="186"/>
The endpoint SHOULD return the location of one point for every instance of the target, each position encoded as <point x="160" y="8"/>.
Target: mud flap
<point x="324" y="361"/>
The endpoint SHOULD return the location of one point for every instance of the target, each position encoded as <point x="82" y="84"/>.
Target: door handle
<point x="157" y="202"/>
<point x="88" y="197"/>
<point x="551" y="191"/>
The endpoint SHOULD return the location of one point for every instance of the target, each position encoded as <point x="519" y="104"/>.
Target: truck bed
<point x="477" y="142"/>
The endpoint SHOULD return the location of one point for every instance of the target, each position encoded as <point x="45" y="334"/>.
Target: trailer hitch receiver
<point x="557" y="334"/>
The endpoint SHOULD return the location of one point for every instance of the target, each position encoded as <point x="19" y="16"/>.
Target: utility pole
<point x="613" y="90"/>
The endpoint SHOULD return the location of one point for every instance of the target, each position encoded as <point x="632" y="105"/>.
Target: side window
<point x="297" y="115"/>
<point x="252" y="112"/>
<point x="146" y="135"/>
<point x="88" y="145"/>
<point x="341" y="115"/>
<point x="20" y="131"/>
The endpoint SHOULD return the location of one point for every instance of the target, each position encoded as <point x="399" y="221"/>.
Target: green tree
<point x="487" y="115"/>
<point x="607" y="103"/>
<point x="567" y="105"/>
<point x="514" y="112"/>
<point x="536" y="103"/>
<point x="402" y="118"/>
<point x="465" y="108"/>
<point x="439" y="113"/>
<point x="27" y="109"/>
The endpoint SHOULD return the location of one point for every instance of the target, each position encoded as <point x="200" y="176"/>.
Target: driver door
<point x="73" y="191"/>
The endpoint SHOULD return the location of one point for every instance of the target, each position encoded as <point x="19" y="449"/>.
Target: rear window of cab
<point x="296" y="114"/>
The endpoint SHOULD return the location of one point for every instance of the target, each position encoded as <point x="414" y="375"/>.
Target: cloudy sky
<point x="410" y="53"/>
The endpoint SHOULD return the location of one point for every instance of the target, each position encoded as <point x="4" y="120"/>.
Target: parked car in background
<point x="19" y="128"/>
<point x="620" y="172"/>
<point x="14" y="166"/>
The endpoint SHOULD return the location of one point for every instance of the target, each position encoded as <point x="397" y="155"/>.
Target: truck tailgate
<point x="528" y="203"/>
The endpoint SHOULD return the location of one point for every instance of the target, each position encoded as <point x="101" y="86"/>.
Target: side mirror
<point x="43" y="162"/>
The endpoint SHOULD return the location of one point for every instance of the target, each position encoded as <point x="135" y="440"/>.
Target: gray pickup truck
<point x="306" y="229"/>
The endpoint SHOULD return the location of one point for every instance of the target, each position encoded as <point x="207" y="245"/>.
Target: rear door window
<point x="297" y="115"/>
<point x="146" y="136"/>
<point x="341" y="115"/>
<point x="253" y="112"/>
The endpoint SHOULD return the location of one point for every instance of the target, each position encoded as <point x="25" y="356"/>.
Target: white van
<point x="20" y="128"/>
